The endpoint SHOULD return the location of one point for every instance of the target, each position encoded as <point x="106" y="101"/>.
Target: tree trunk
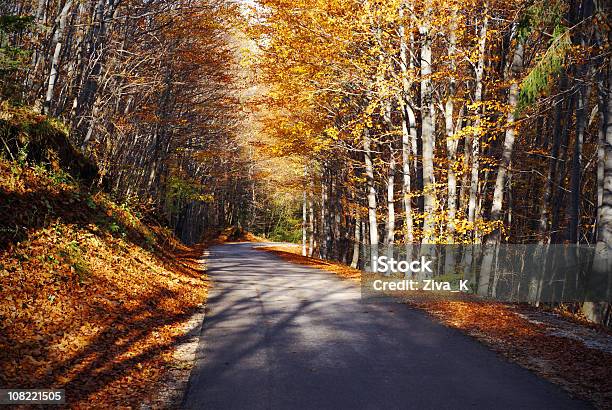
<point x="558" y="194"/>
<point x="304" y="224"/>
<point x="602" y="265"/>
<point x="390" y="238"/>
<point x="371" y="199"/>
<point x="57" y="41"/>
<point x="504" y="165"/>
<point x="543" y="228"/>
<point x="427" y="130"/>
<point x="311" y="221"/>
<point x="494" y="238"/>
<point x="323" y="234"/>
<point x="474" y="141"/>
<point x="581" y="112"/>
<point x="357" y="242"/>
<point x="409" y="134"/>
<point x="451" y="143"/>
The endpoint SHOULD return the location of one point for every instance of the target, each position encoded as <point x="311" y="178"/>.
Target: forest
<point x="442" y="122"/>
<point x="147" y="90"/>
<point x="398" y="121"/>
<point x="136" y="134"/>
<point x="338" y="123"/>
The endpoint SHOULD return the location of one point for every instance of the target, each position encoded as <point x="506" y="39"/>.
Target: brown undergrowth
<point x="581" y="370"/>
<point x="92" y="300"/>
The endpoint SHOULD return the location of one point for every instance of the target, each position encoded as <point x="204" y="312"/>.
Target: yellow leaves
<point x="205" y="198"/>
<point x="467" y="131"/>
<point x="248" y="57"/>
<point x="332" y="133"/>
<point x="322" y="146"/>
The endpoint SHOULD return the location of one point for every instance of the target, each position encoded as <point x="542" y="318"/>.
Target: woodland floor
<point x="94" y="300"/>
<point x="565" y="350"/>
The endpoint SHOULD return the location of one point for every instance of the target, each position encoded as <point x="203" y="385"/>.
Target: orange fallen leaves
<point x="89" y="299"/>
<point x="293" y="254"/>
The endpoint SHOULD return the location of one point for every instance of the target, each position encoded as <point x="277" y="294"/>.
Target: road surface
<point x="283" y="336"/>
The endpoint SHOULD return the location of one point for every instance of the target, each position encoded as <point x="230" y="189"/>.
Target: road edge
<point x="175" y="382"/>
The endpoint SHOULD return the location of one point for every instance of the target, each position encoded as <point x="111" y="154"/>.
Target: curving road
<point x="283" y="336"/>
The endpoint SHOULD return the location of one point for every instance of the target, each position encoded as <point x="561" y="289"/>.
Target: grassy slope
<point x="91" y="298"/>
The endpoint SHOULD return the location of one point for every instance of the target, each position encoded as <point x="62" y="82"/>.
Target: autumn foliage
<point x="438" y="121"/>
<point x="93" y="298"/>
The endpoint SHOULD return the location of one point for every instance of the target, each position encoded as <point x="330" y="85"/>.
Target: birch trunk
<point x="336" y="238"/>
<point x="357" y="242"/>
<point x="390" y="239"/>
<point x="427" y="130"/>
<point x="494" y="238"/>
<point x="311" y="221"/>
<point x="409" y="134"/>
<point x="367" y="142"/>
<point x="474" y="140"/>
<point x="323" y="233"/>
<point x="451" y="143"/>
<point x="304" y="224"/>
<point x="603" y="249"/>
<point x="500" y="182"/>
<point x="57" y="41"/>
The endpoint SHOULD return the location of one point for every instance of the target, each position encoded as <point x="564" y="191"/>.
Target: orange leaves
<point x="580" y="369"/>
<point x="293" y="254"/>
<point x="90" y="300"/>
<point x="305" y="54"/>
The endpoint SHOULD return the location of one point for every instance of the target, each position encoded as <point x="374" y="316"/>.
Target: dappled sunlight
<point x="327" y="204"/>
<point x="93" y="302"/>
<point x="505" y="329"/>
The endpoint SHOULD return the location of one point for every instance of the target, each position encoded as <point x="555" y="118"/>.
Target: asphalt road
<point x="282" y="336"/>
